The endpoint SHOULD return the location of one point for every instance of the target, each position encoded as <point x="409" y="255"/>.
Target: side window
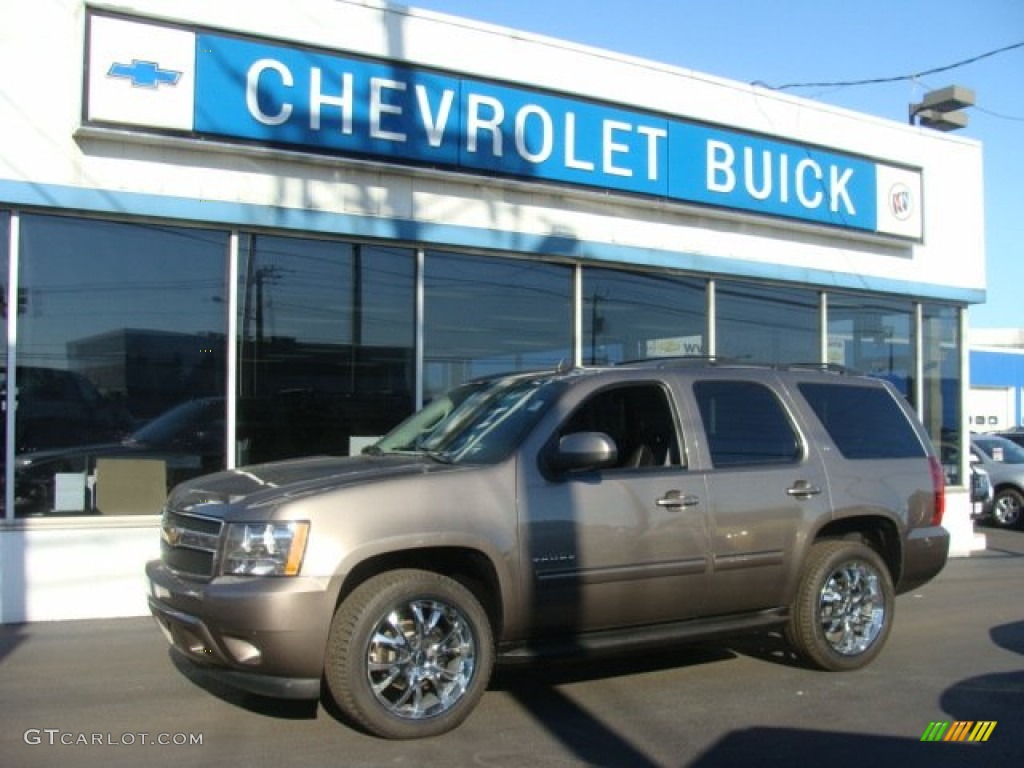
<point x="863" y="422"/>
<point x="638" y="418"/>
<point x="745" y="424"/>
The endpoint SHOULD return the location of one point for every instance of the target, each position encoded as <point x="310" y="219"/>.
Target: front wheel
<point x="1006" y="508"/>
<point x="844" y="606"/>
<point x="409" y="654"/>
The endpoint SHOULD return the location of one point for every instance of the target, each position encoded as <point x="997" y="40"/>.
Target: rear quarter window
<point x="863" y="422"/>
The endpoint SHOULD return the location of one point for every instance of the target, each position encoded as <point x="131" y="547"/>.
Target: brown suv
<point x="565" y="511"/>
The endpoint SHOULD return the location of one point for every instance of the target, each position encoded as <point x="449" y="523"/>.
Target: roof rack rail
<point x="843" y="370"/>
<point x="681" y="361"/>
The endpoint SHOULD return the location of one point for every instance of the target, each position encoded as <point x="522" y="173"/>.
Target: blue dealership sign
<point x="280" y="95"/>
<point x="748" y="172"/>
<point x="253" y="90"/>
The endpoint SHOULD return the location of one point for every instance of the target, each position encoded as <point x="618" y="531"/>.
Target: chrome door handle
<point x="674" y="499"/>
<point x="802" y="489"/>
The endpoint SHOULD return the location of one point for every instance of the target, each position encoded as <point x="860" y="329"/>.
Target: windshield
<point x="477" y="423"/>
<point x="407" y="435"/>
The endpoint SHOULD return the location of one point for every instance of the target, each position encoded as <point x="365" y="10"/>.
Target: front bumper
<point x="260" y="634"/>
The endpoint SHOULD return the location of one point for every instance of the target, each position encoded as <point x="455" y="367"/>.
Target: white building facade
<point x="236" y="232"/>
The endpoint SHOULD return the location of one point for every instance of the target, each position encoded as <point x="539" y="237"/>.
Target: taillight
<point x="939" y="490"/>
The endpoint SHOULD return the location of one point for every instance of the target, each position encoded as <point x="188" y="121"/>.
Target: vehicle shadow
<point x="997" y="697"/>
<point x="766" y="747"/>
<point x="533" y="685"/>
<point x="768" y="646"/>
<point x="586" y="737"/>
<point x="519" y="677"/>
<point x="283" y="709"/>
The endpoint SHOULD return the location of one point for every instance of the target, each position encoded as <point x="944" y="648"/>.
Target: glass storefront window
<point x="631" y="316"/>
<point x="485" y="315"/>
<point x="942" y="380"/>
<point x="874" y="336"/>
<point x="5" y="234"/>
<point x="767" y="324"/>
<point x="122" y="328"/>
<point x="326" y="348"/>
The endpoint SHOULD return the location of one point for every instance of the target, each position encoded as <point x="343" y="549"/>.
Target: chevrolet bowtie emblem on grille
<point x="171" y="535"/>
<point x="144" y="74"/>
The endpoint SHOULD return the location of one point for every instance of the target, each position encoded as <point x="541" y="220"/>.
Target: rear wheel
<point x="1006" y="508"/>
<point x="409" y="654"/>
<point x="844" y="606"/>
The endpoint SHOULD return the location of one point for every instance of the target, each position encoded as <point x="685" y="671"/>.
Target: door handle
<point x="802" y="489"/>
<point x="677" y="500"/>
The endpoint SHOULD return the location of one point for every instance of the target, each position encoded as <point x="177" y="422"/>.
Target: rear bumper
<point x="262" y="635"/>
<point x="924" y="556"/>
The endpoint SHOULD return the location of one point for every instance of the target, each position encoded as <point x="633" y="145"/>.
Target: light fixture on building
<point x="941" y="109"/>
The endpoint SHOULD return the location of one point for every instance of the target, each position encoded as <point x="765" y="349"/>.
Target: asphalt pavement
<point x="108" y="693"/>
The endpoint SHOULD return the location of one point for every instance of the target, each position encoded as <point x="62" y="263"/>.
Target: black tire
<point x="844" y="606"/>
<point x="409" y="654"/>
<point x="1007" y="507"/>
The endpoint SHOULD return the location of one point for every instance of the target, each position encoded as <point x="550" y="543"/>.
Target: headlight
<point x="265" y="549"/>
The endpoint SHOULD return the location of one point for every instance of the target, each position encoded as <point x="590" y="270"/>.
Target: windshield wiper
<point x="441" y="457"/>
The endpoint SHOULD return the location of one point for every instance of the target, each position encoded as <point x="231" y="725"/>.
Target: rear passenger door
<point x="765" y="482"/>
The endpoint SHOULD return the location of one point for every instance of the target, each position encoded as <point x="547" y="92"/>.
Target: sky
<point x="778" y="42"/>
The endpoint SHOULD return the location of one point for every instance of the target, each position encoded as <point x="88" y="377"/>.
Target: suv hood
<point x="275" y="482"/>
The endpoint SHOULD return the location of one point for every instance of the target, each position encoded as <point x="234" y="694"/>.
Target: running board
<point x="636" y="638"/>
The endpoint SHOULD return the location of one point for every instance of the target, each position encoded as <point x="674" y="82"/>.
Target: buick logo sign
<point x="901" y="202"/>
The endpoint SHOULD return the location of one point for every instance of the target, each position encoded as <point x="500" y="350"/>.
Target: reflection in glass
<point x="874" y="336"/>
<point x="767" y="324"/>
<point x="631" y="316"/>
<point x="488" y="425"/>
<point x="326" y="345"/>
<point x="941" y="352"/>
<point x="486" y="315"/>
<point x="121" y="323"/>
<point x="5" y="233"/>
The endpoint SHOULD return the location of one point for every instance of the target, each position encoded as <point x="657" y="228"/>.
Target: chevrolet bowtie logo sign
<point x="144" y="74"/>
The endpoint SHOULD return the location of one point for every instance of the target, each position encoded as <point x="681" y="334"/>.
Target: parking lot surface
<point x="108" y="693"/>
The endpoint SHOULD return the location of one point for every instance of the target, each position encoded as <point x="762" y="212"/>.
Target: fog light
<point x="194" y="644"/>
<point x="243" y="651"/>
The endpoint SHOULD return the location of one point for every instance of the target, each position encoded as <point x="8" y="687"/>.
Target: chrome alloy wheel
<point x="851" y="608"/>
<point x="420" y="659"/>
<point x="1007" y="509"/>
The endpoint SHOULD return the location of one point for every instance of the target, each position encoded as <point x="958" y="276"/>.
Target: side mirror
<point x="583" y="450"/>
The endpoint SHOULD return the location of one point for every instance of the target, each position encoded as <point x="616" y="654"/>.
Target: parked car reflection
<point x="185" y="441"/>
<point x="58" y="408"/>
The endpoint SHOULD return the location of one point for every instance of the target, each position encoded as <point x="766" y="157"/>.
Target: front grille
<point x="188" y="543"/>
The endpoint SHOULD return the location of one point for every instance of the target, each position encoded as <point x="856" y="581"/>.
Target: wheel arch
<point x="1007" y="486"/>
<point x="470" y="567"/>
<point x="876" y="531"/>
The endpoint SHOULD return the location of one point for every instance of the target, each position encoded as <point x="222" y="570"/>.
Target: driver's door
<point x="625" y="545"/>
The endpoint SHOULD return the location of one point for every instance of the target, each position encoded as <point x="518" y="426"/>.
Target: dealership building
<point x="235" y="232"/>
